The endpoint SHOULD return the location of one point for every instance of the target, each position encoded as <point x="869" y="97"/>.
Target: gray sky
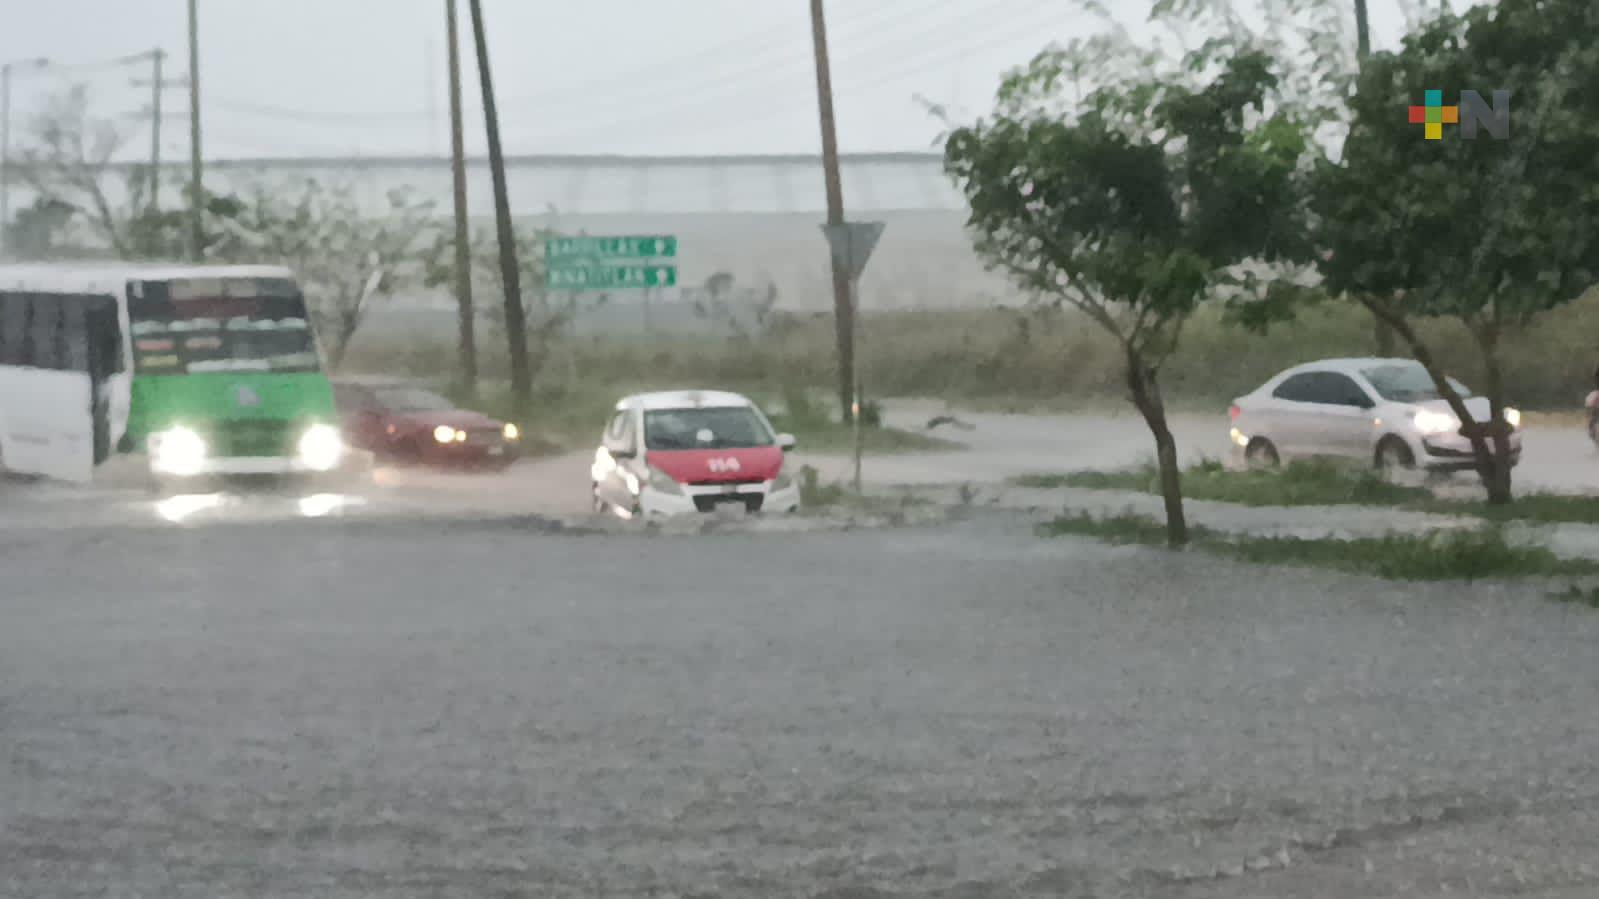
<point x="304" y="77"/>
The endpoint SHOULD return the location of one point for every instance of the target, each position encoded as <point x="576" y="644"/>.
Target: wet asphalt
<point x="392" y="706"/>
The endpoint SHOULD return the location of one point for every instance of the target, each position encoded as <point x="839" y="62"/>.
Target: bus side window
<point x="12" y="327"/>
<point x="44" y="331"/>
<point x="72" y="347"/>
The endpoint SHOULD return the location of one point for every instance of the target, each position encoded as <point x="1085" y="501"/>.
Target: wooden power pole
<point x="843" y="304"/>
<point x="463" y="238"/>
<point x="196" y="177"/>
<point x="510" y="273"/>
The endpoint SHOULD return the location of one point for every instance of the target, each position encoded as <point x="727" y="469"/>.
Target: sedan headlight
<point x="783" y="481"/>
<point x="1430" y="422"/>
<point x="321" y="448"/>
<point x="444" y="434"/>
<point x="178" y="451"/>
<point x="662" y="482"/>
<point x="512" y="433"/>
<point x="1513" y="416"/>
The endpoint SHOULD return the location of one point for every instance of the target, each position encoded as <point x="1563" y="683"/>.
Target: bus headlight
<point x="321" y="448"/>
<point x="178" y="451"/>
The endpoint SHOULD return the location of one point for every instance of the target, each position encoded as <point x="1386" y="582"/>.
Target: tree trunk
<point x="1497" y="478"/>
<point x="1146" y="396"/>
<point x="1496" y="482"/>
<point x="510" y="271"/>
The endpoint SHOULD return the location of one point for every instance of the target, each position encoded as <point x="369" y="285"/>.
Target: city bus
<point x="204" y="370"/>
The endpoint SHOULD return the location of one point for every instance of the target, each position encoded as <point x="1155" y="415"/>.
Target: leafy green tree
<point x="1136" y="206"/>
<point x="1490" y="233"/>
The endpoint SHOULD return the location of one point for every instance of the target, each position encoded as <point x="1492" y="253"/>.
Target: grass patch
<point x="1542" y="508"/>
<point x="1121" y="529"/>
<point x="1322" y="483"/>
<point x="1579" y="596"/>
<point x="1298" y="483"/>
<point x="1436" y="556"/>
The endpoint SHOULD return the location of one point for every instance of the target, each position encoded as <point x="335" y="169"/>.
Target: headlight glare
<point x="321" y="448"/>
<point x="444" y="434"/>
<point x="178" y="451"/>
<point x="1513" y="416"/>
<point x="512" y="432"/>
<point x="1430" y="422"/>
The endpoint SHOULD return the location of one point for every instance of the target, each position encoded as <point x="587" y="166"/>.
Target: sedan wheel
<point x="1394" y="455"/>
<point x="1261" y="453"/>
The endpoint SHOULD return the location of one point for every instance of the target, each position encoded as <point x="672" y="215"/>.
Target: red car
<point x="398" y="420"/>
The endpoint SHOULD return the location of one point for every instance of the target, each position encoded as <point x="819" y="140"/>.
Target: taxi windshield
<point x="730" y="427"/>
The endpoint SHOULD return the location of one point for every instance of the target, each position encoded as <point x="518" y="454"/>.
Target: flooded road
<point x="367" y="707"/>
<point x="422" y="684"/>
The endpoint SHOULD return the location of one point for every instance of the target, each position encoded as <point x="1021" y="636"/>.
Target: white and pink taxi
<point x="685" y="451"/>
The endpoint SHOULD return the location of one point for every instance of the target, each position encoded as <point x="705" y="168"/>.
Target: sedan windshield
<point x="718" y="428"/>
<point x="1408" y="383"/>
<point x="411" y="399"/>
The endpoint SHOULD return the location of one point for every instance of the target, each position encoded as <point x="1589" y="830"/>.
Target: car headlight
<point x="178" y="451"/>
<point x="662" y="482"/>
<point x="321" y="448"/>
<point x="444" y="434"/>
<point x="783" y="481"/>
<point x="512" y="432"/>
<point x="1513" y="416"/>
<point x="1430" y="422"/>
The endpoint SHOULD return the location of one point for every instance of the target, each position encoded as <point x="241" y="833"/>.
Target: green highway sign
<point x="609" y="277"/>
<point x="626" y="247"/>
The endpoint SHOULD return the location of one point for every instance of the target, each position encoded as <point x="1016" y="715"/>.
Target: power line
<point x="577" y="94"/>
<point x="939" y="56"/>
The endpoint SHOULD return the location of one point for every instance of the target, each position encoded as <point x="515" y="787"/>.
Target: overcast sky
<point x="313" y="77"/>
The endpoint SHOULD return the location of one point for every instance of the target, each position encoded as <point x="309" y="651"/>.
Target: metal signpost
<point x="851" y="244"/>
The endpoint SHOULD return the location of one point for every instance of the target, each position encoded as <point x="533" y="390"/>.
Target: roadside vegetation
<point x="569" y="415"/>
<point x="1304" y="482"/>
<point x="1468" y="554"/>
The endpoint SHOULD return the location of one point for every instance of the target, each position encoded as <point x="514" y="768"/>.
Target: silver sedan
<point x="1387" y="411"/>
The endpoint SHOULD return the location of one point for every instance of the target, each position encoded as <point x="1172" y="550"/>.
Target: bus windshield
<point x="217" y="325"/>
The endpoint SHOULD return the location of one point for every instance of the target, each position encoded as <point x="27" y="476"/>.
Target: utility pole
<point x="463" y="246"/>
<point x="158" y="85"/>
<point x="5" y="155"/>
<point x="843" y="306"/>
<point x="510" y="273"/>
<point x="156" y="59"/>
<point x="1384" y="334"/>
<point x="196" y="178"/>
<point x="5" y="142"/>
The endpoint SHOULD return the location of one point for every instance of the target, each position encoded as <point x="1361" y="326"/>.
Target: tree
<point x="1135" y="208"/>
<point x="344" y="258"/>
<point x="543" y="317"/>
<point x="1486" y="232"/>
<point x="65" y="161"/>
